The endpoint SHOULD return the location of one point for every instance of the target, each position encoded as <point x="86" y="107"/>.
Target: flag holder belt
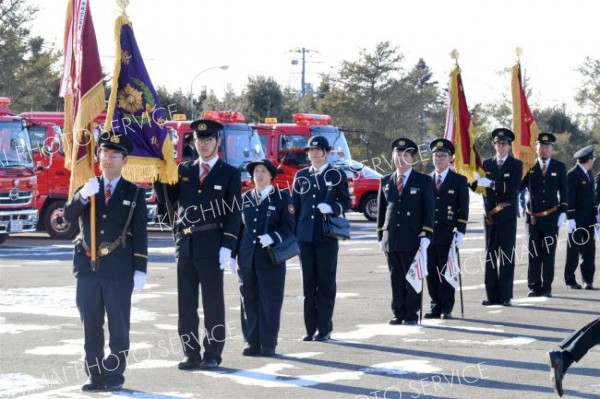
<point x="535" y="215"/>
<point x="499" y="207"/>
<point x="192" y="229"/>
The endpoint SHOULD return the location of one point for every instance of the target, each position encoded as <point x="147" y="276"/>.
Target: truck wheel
<point x="369" y="207"/>
<point x="56" y="225"/>
<point x="3" y="237"/>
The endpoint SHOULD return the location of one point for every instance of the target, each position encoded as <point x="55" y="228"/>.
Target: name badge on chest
<point x="218" y="187"/>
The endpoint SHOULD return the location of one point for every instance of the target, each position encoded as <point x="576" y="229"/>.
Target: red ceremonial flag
<point x="524" y="126"/>
<point x="460" y="130"/>
<point x="83" y="91"/>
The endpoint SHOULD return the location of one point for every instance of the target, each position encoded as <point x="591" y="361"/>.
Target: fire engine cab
<point x="18" y="183"/>
<point x="284" y="145"/>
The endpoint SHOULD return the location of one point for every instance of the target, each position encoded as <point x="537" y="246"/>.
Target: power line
<point x="303" y="51"/>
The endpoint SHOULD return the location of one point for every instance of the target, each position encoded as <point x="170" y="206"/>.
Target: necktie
<point x="589" y="176"/>
<point x="204" y="172"/>
<point x="500" y="162"/>
<point x="107" y="192"/>
<point x="544" y="168"/>
<point x="400" y="183"/>
<point x="438" y="184"/>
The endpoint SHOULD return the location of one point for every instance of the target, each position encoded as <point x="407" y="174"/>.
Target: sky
<point x="180" y="38"/>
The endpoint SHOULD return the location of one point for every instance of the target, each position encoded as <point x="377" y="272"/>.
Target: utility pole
<point x="302" y="51"/>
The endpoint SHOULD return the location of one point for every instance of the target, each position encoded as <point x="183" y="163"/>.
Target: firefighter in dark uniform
<point x="451" y="217"/>
<point x="267" y="219"/>
<point x="502" y="180"/>
<point x="105" y="287"/>
<point x="318" y="190"/>
<point x="546" y="183"/>
<point x="208" y="220"/>
<point x="404" y="222"/>
<point x="574" y="348"/>
<point x="581" y="219"/>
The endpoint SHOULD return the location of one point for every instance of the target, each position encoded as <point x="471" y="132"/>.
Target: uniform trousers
<point x="580" y="242"/>
<point x="500" y="260"/>
<point x="440" y="291"/>
<point x="205" y="277"/>
<point x="405" y="300"/>
<point x="542" y="253"/>
<point x="96" y="296"/>
<point x="319" y="268"/>
<point x="582" y="340"/>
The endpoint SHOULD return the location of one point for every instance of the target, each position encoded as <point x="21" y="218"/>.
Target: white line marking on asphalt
<point x="303" y="355"/>
<point x="366" y="331"/>
<point x="341" y="295"/>
<point x="402" y="367"/>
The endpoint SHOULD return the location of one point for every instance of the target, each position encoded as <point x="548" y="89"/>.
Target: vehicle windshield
<point x="340" y="152"/>
<point x="15" y="147"/>
<point x="241" y="145"/>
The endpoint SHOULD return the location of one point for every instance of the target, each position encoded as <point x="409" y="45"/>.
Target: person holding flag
<point x="105" y="287"/>
<point x="404" y="227"/>
<point x="502" y="180"/>
<point x="451" y="217"/>
<point x="546" y="182"/>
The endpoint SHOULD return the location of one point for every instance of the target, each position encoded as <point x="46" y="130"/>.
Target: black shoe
<point x="547" y="294"/>
<point x="589" y="286"/>
<point x="189" y="363"/>
<point x="323" y="337"/>
<point x="251" y="351"/>
<point x="115" y="386"/>
<point x="209" y="364"/>
<point x="487" y="302"/>
<point x="507" y="303"/>
<point x="447" y="316"/>
<point x="410" y="322"/>
<point x="431" y="315"/>
<point x="395" y="321"/>
<point x="267" y="351"/>
<point x="534" y="293"/>
<point x="308" y="337"/>
<point x="93" y="387"/>
<point x="556" y="371"/>
<point x="574" y="286"/>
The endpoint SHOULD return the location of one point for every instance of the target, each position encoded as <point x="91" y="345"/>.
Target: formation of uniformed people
<point x="318" y="190"/>
<point x="267" y="219"/>
<point x="404" y="223"/>
<point x="214" y="224"/>
<point x="104" y="287"/>
<point x="450" y="225"/>
<point x="546" y="183"/>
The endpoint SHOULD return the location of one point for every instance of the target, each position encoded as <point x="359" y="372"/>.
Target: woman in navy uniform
<point x="318" y="190"/>
<point x="502" y="180"/>
<point x="546" y="182"/>
<point x="208" y="196"/>
<point x="106" y="286"/>
<point x="267" y="219"/>
<point x="581" y="219"/>
<point x="451" y="217"/>
<point x="404" y="222"/>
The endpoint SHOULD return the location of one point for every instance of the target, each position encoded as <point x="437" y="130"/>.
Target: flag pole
<point x="91" y="152"/>
<point x="462" y="304"/>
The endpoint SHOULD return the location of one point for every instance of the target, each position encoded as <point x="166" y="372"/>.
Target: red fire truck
<point x="18" y="183"/>
<point x="284" y="145"/>
<point x="45" y="130"/>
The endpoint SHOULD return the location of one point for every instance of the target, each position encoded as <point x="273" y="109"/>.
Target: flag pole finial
<point x="454" y="55"/>
<point x="122" y="4"/>
<point x="518" y="52"/>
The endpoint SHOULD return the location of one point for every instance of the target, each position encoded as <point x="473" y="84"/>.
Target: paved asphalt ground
<point x="495" y="352"/>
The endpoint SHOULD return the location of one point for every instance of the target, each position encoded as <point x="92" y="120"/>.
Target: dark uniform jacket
<point x="217" y="201"/>
<point x="403" y="219"/>
<point x="506" y="189"/>
<point x="542" y="190"/>
<point x="280" y="212"/>
<point x="598" y="191"/>
<point x="582" y="204"/>
<point x="330" y="187"/>
<point x="451" y="208"/>
<point x="110" y="221"/>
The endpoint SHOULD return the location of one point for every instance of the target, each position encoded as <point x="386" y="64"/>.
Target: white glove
<point x="425" y="243"/>
<point x="224" y="256"/>
<point x="324" y="208"/>
<point x="598" y="219"/>
<point x="561" y="219"/>
<point x="458" y="239"/>
<point x="597" y="232"/>
<point x="476" y="175"/>
<point x="484" y="182"/>
<point x="265" y="240"/>
<point x="232" y="266"/>
<point x="91" y="187"/>
<point x="571" y="226"/>
<point x="381" y="246"/>
<point x="139" y="280"/>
